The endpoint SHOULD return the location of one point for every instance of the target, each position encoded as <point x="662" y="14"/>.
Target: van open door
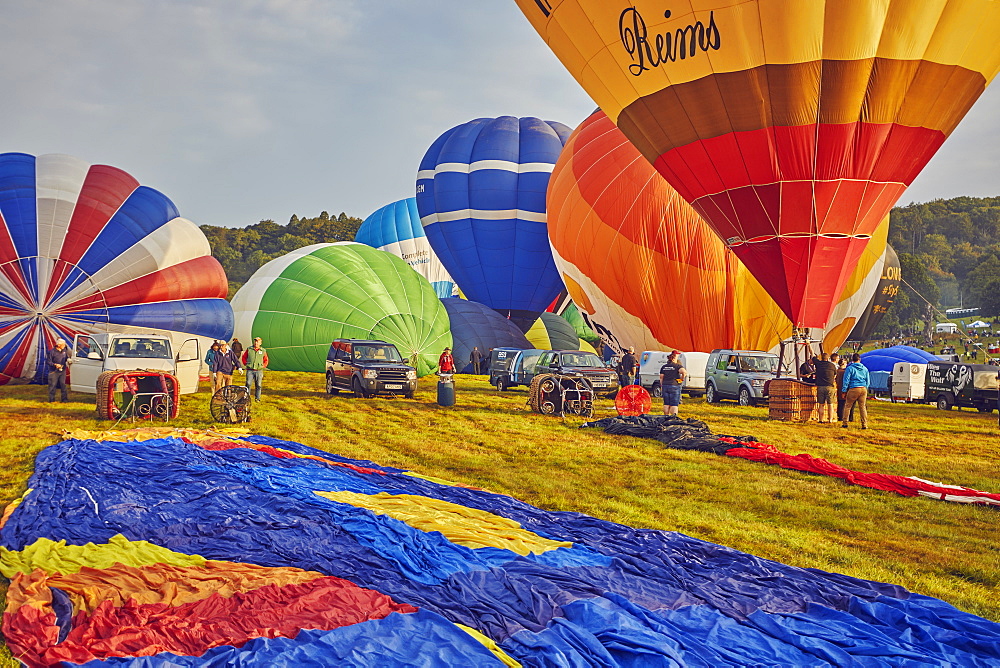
<point x="86" y="362"/>
<point x="188" y="365"/>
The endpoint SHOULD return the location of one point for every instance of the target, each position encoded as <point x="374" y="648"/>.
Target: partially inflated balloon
<point x="647" y="271"/>
<point x="792" y="126"/>
<point x="300" y="302"/>
<point x="396" y="229"/>
<point x="86" y="249"/>
<point x="474" y="325"/>
<point x="553" y="332"/>
<point x="481" y="197"/>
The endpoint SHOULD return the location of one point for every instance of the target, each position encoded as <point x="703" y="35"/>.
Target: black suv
<point x="368" y="368"/>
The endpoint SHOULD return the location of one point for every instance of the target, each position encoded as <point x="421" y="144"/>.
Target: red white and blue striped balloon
<point x="84" y="249"/>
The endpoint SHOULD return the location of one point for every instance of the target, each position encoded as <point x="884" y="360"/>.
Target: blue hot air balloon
<point x="476" y="325"/>
<point x="396" y="229"/>
<point x="481" y="197"/>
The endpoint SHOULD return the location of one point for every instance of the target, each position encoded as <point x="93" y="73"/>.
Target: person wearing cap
<point x="672" y="375"/>
<point x="55" y="362"/>
<point x="223" y="365"/>
<point x="255" y="361"/>
<point x="446" y="363"/>
<point x="630" y="367"/>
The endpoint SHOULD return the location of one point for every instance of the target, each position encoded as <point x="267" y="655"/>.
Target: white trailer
<point x="908" y="381"/>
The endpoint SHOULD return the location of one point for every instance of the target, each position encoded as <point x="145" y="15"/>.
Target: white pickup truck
<point x="96" y="353"/>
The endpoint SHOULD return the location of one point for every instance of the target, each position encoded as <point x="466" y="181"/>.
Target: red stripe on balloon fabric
<point x="104" y="191"/>
<point x="193" y="628"/>
<point x="201" y="277"/>
<point x="280" y="454"/>
<point x="768" y="454"/>
<point x="878" y="152"/>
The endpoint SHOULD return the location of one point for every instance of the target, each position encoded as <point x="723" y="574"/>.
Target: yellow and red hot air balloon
<point x="648" y="272"/>
<point x="791" y="126"/>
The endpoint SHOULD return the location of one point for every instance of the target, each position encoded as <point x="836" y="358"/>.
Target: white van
<point x="650" y="362"/>
<point x="94" y="354"/>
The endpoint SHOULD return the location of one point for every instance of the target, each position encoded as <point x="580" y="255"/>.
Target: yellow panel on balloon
<point x="461" y="525"/>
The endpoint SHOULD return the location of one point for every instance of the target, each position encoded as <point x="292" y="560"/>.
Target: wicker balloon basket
<point x="791" y="400"/>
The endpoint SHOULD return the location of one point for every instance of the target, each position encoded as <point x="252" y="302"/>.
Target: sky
<point x="245" y="110"/>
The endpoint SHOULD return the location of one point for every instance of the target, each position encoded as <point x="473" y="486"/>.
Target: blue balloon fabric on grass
<point x="618" y="596"/>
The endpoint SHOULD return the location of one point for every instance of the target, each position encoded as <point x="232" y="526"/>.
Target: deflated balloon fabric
<point x="615" y="596"/>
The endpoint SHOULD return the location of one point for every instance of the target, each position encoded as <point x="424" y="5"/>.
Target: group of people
<point x="835" y="378"/>
<point x="223" y="360"/>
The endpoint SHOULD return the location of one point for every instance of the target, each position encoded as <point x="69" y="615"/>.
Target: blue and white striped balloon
<point x="481" y="197"/>
<point x="396" y="229"/>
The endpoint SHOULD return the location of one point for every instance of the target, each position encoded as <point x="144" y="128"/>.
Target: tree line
<point x="244" y="250"/>
<point x="949" y="253"/>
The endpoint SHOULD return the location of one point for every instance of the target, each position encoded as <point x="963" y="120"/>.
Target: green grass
<point x="490" y="440"/>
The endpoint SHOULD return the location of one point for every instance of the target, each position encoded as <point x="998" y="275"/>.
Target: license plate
<point x="393" y="387"/>
<point x="599" y="384"/>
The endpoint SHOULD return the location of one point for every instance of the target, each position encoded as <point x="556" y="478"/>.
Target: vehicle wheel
<point x="710" y="395"/>
<point x="746" y="399"/>
<point x="656" y="391"/>
<point x="359" y="391"/>
<point x="943" y="403"/>
<point x="330" y="387"/>
<point x="408" y="395"/>
<point x="500" y="384"/>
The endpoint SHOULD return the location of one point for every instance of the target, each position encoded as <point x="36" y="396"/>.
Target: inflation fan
<point x="231" y="404"/>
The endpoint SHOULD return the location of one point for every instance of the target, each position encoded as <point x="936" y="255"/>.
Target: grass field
<point x="490" y="440"/>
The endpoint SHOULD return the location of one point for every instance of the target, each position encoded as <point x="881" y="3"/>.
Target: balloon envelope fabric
<point x="117" y="542"/>
<point x="86" y="249"/>
<point x="481" y="197"/>
<point x="475" y="325"/>
<point x="300" y="302"/>
<point x="396" y="229"/>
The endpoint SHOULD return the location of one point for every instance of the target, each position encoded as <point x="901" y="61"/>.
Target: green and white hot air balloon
<point x="300" y="302"/>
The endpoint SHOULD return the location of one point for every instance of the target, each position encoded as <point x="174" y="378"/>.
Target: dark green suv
<point x="368" y="368"/>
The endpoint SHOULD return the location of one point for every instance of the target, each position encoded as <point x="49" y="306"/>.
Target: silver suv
<point x="739" y="375"/>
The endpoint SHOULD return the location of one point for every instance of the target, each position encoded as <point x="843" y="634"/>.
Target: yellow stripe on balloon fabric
<point x="538" y="336"/>
<point x="460" y="524"/>
<point x="58" y="557"/>
<point x="491" y="645"/>
<point x="589" y="37"/>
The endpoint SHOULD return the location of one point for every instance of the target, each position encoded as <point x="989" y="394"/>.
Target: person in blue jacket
<point x="855" y="384"/>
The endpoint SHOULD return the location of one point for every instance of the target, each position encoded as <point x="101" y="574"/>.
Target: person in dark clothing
<point x="672" y="375"/>
<point x="56" y="364"/>
<point x="807" y="371"/>
<point x="630" y="367"/>
<point x="223" y="365"/>
<point x="841" y="363"/>
<point x="476" y="357"/>
<point x="826" y="387"/>
<point x="237" y="347"/>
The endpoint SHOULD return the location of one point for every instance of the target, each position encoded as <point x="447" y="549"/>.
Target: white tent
<point x="979" y="324"/>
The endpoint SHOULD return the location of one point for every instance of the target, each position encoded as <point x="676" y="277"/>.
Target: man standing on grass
<point x="672" y="375"/>
<point x="630" y="366"/>
<point x="826" y="387"/>
<point x="855" y="384"/>
<point x="55" y="361"/>
<point x="476" y="357"/>
<point x="223" y="365"/>
<point x="255" y="361"/>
